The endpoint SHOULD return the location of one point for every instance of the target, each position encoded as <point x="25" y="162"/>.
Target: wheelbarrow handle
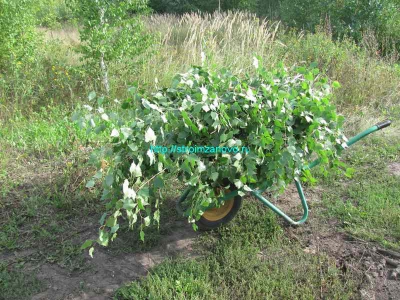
<point x="368" y="131"/>
<point x="355" y="139"/>
<point x="303" y="199"/>
<point x="383" y="124"/>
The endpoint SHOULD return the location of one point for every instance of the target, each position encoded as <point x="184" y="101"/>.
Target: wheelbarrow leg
<point x="275" y="209"/>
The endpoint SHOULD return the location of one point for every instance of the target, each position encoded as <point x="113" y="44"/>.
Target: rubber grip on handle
<point x="383" y="124"/>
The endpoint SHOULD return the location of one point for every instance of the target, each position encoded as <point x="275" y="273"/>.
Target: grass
<point x="248" y="259"/>
<point x="369" y="83"/>
<point x="371" y="210"/>
<point x="368" y="205"/>
<point x="43" y="200"/>
<point x="48" y="133"/>
<point x="17" y="284"/>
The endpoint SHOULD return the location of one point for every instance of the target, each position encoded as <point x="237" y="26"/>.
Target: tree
<point x="111" y="30"/>
<point x="18" y="37"/>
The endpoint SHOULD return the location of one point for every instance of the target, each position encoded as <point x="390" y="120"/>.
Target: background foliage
<point x="345" y="18"/>
<point x="17" y="33"/>
<point x="110" y="31"/>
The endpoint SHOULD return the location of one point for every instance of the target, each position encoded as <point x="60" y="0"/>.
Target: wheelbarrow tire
<point x="216" y="217"/>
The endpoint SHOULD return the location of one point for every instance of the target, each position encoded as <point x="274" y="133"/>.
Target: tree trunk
<point x="103" y="66"/>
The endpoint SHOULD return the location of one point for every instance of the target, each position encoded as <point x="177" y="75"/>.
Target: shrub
<point x="111" y="31"/>
<point x="283" y="117"/>
<point x="51" y="13"/>
<point x="346" y="18"/>
<point x="18" y="38"/>
<point x="183" y="6"/>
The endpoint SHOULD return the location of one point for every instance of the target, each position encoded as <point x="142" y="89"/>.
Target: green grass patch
<point x="17" y="284"/>
<point x="368" y="204"/>
<point x="370" y="209"/>
<point x="248" y="259"/>
<point x="46" y="134"/>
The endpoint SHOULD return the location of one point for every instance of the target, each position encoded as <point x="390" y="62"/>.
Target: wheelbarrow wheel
<point x="218" y="216"/>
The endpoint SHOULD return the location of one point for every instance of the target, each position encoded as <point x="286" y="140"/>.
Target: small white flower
<point x="150" y="154"/>
<point x="189" y="83"/>
<point x="247" y="188"/>
<point x="151" y="105"/>
<point x="215" y="103"/>
<point x="101" y="110"/>
<point x="135" y="170"/>
<point x="238" y="156"/>
<point x="250" y="95"/>
<point x="204" y="91"/>
<point x="105" y="117"/>
<point x="206" y="108"/>
<point x="201" y="166"/>
<point x="231" y="142"/>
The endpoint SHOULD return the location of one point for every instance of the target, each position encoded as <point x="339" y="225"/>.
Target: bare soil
<point x="106" y="271"/>
<point x="394" y="168"/>
<point x="377" y="270"/>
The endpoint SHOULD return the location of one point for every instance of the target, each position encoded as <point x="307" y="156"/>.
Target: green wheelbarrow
<point x="230" y="204"/>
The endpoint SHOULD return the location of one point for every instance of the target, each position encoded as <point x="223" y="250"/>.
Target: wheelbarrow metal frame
<point x="258" y="192"/>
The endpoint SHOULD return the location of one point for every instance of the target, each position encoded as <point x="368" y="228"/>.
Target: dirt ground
<point x="106" y="272"/>
<point x="379" y="270"/>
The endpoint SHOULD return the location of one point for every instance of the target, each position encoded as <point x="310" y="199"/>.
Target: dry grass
<point x="67" y="35"/>
<point x="370" y="83"/>
<point x="228" y="39"/>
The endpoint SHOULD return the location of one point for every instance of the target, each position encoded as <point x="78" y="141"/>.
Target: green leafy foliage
<point x="283" y="116"/>
<point x="111" y="31"/>
<point x="182" y="6"/>
<point x="12" y="281"/>
<point x="52" y="13"/>
<point x="18" y="39"/>
<point x="346" y="18"/>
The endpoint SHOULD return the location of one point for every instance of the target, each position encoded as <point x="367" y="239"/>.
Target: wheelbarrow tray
<point x="257" y="191"/>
